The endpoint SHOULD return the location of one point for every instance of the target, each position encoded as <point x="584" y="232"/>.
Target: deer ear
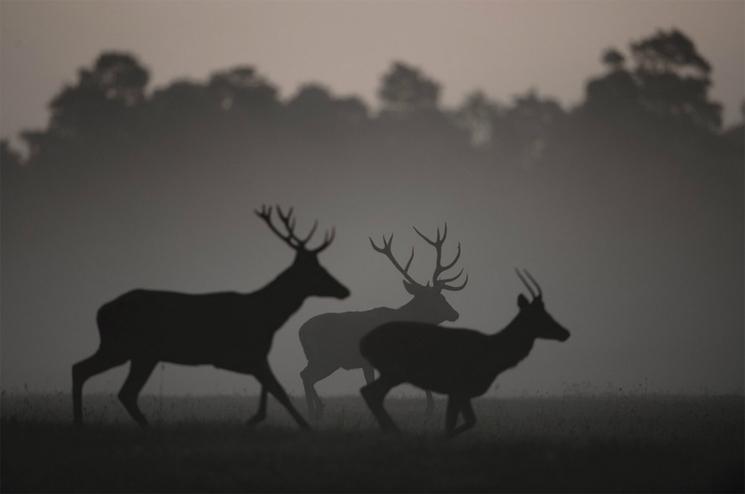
<point x="522" y="302"/>
<point x="412" y="289"/>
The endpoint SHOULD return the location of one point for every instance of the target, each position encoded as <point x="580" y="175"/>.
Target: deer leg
<point x="267" y="379"/>
<point x="310" y="391"/>
<point x="311" y="375"/>
<point x="260" y="414"/>
<point x="430" y="403"/>
<point x="85" y="369"/>
<point x="451" y="414"/>
<point x="139" y="372"/>
<point x="470" y="418"/>
<point x="369" y="374"/>
<point x="374" y="394"/>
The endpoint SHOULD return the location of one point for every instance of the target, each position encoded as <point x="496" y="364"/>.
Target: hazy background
<point x="633" y="225"/>
<point x="500" y="47"/>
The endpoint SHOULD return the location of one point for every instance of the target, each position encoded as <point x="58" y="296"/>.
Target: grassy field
<point x="199" y="444"/>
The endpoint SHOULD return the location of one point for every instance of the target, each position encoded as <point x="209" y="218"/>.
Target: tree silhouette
<point x="241" y="97"/>
<point x="405" y="90"/>
<point x="315" y="102"/>
<point x="479" y="116"/>
<point x="670" y="81"/>
<point x="530" y="123"/>
<point x="669" y="51"/>
<point x="101" y="97"/>
<point x="613" y="59"/>
<point x="674" y="79"/>
<point x="616" y="93"/>
<point x="9" y="157"/>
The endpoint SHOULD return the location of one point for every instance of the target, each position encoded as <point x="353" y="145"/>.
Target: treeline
<point x="657" y="98"/>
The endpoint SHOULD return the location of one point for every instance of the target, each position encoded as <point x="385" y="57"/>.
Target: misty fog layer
<point x="628" y="209"/>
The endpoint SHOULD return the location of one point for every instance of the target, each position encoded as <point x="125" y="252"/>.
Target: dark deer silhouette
<point x="231" y="331"/>
<point x="331" y="341"/>
<point x="460" y="363"/>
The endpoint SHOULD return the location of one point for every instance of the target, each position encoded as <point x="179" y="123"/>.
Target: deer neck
<point x="281" y="298"/>
<point x="412" y="311"/>
<point x="511" y="345"/>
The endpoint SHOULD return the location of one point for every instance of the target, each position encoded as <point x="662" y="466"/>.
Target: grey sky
<point x="502" y="47"/>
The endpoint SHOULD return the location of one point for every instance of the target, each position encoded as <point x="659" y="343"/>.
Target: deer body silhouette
<point x="331" y="341"/>
<point x="231" y="331"/>
<point x="460" y="363"/>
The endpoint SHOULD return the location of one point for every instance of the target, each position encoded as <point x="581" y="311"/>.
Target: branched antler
<point x="440" y="268"/>
<point x="328" y="237"/>
<point x="386" y="250"/>
<point x="290" y="238"/>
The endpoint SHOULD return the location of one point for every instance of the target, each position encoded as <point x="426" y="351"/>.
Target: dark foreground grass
<point x="566" y="444"/>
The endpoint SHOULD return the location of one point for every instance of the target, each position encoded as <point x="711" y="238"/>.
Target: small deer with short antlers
<point x="232" y="331"/>
<point x="460" y="363"/>
<point x="331" y="341"/>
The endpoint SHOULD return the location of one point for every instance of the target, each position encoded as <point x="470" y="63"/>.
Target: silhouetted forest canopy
<point x="657" y="99"/>
<point x="124" y="171"/>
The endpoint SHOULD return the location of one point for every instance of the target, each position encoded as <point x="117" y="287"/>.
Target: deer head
<point x="428" y="303"/>
<point x="533" y="316"/>
<point x="306" y="269"/>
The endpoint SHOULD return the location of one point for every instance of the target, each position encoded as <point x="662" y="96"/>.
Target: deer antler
<point x="525" y="282"/>
<point x="440" y="268"/>
<point x="289" y="223"/>
<point x="328" y="237"/>
<point x="537" y="286"/>
<point x="386" y="250"/>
